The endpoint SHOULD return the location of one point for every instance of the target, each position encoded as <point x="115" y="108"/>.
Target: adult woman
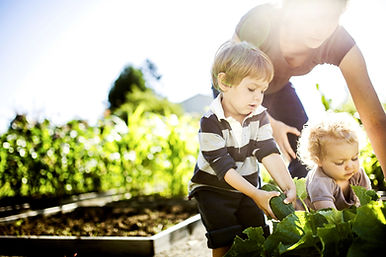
<point x="298" y="36"/>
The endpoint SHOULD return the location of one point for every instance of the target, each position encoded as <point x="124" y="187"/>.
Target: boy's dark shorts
<point x="226" y="214"/>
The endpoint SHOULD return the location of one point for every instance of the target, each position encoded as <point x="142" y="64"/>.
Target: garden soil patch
<point x="139" y="216"/>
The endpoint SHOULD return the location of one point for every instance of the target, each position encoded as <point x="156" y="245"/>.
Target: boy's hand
<point x="262" y="198"/>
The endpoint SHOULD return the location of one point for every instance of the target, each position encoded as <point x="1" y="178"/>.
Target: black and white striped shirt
<point x="225" y="144"/>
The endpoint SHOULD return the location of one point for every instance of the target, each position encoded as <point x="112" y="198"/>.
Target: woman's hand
<point x="280" y="131"/>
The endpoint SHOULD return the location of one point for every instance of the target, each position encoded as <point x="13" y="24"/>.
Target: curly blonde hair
<point x="334" y="126"/>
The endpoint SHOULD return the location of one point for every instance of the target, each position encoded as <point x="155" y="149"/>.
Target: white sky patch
<point x="59" y="60"/>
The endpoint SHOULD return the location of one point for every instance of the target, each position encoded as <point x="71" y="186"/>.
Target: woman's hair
<point x="334" y="126"/>
<point x="238" y="60"/>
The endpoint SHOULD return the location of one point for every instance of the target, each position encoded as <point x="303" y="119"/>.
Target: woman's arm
<point x="353" y="68"/>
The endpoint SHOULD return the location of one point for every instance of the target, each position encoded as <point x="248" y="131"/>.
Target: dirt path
<point x="192" y="246"/>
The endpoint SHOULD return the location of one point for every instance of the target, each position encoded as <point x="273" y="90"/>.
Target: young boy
<point x="233" y="135"/>
<point x="330" y="147"/>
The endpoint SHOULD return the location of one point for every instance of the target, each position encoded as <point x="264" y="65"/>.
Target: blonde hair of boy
<point x="238" y="60"/>
<point x="334" y="126"/>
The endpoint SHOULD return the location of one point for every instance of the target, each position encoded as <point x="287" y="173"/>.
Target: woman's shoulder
<point x="336" y="47"/>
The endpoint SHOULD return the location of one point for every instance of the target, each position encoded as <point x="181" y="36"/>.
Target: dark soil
<point x="139" y="216"/>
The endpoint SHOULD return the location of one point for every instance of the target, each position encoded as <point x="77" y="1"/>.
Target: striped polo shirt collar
<point x="216" y="108"/>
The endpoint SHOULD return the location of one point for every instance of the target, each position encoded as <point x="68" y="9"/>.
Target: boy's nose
<point x="258" y="96"/>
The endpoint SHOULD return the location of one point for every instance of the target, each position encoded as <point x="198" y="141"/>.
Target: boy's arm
<point x="213" y="146"/>
<point x="260" y="197"/>
<point x="278" y="171"/>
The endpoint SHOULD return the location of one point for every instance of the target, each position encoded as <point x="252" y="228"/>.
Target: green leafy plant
<point x="357" y="231"/>
<point x="152" y="154"/>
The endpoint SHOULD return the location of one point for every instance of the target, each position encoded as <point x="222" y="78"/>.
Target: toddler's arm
<point x="323" y="205"/>
<point x="278" y="171"/>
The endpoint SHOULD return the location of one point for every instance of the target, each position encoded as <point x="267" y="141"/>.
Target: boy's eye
<point x="355" y="158"/>
<point x="339" y="163"/>
<point x="251" y="89"/>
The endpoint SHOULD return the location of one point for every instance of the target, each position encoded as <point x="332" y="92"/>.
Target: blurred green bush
<point x="153" y="154"/>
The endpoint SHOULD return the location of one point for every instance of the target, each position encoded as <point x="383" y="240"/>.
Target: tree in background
<point x="131" y="90"/>
<point x="129" y="80"/>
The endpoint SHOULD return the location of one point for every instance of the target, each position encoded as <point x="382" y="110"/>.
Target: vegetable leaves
<point x="353" y="232"/>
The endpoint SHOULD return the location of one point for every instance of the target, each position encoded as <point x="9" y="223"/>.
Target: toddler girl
<point x="330" y="148"/>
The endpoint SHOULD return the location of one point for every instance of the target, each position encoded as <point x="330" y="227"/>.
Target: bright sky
<point x="58" y="59"/>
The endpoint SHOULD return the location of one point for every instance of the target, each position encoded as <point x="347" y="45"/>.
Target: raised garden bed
<point x="140" y="226"/>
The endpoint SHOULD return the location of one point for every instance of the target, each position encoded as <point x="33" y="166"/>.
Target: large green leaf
<point x="250" y="247"/>
<point x="309" y="244"/>
<point x="333" y="216"/>
<point x="296" y="234"/>
<point x="364" y="195"/>
<point x="370" y="222"/>
<point x="336" y="239"/>
<point x="301" y="190"/>
<point x="369" y="226"/>
<point x="287" y="232"/>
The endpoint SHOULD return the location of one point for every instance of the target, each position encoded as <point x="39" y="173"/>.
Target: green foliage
<point x="153" y="154"/>
<point x="154" y="104"/>
<point x="301" y="190"/>
<point x="372" y="168"/>
<point x="351" y="232"/>
<point x="325" y="101"/>
<point x="365" y="196"/>
<point x="130" y="90"/>
<point x="250" y="247"/>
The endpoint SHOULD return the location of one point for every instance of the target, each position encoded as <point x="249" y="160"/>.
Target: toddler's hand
<point x="291" y="195"/>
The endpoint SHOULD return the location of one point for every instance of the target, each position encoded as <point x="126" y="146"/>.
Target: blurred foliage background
<point x="144" y="145"/>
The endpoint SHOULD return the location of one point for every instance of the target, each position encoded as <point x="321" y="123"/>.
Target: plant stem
<point x="304" y="205"/>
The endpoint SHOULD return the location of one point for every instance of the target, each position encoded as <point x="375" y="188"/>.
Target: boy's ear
<point x="220" y="78"/>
